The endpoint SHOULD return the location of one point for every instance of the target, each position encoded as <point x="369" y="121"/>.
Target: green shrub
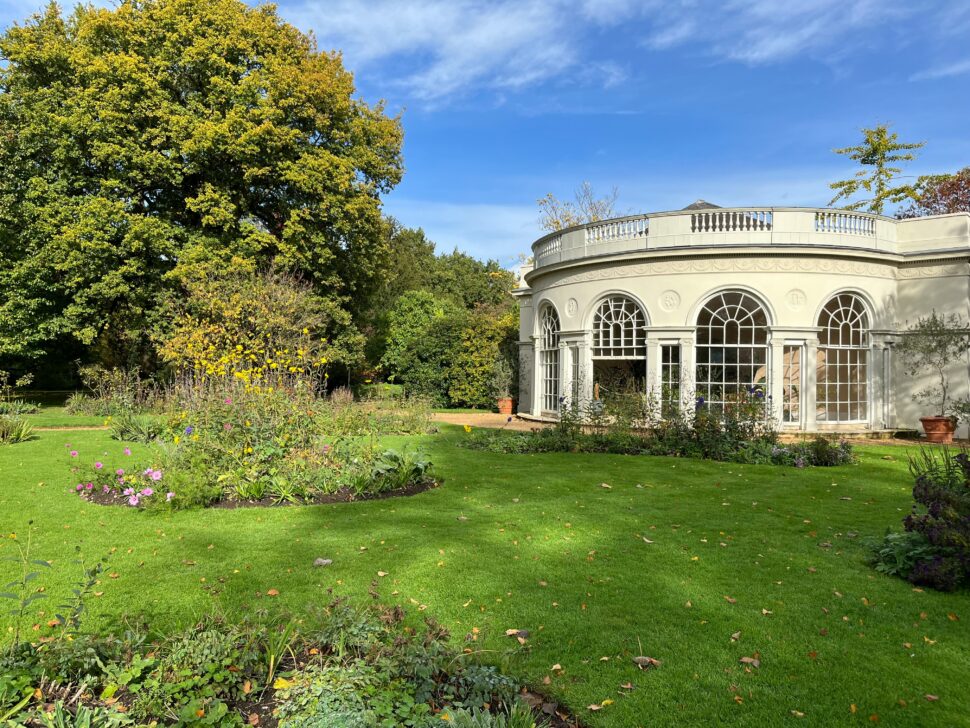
<point x="519" y="716"/>
<point x="15" y="429"/>
<point x="129" y="427"/>
<point x="17" y="407"/>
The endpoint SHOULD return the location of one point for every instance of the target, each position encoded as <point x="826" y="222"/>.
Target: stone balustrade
<point x="755" y="226"/>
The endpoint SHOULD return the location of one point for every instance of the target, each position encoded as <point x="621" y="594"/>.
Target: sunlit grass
<point x="535" y="542"/>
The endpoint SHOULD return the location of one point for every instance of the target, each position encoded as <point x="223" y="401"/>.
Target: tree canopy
<point x="942" y="195"/>
<point x="162" y="135"/>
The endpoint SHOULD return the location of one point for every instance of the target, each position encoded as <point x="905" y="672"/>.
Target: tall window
<point x="619" y="330"/>
<point x="732" y="348"/>
<point x="842" y="374"/>
<point x="670" y="379"/>
<point x="619" y="349"/>
<point x="791" y="390"/>
<point x="549" y="358"/>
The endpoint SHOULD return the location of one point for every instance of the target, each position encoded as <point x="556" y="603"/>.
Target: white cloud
<point x="444" y="47"/>
<point x="432" y="50"/>
<point x="945" y="71"/>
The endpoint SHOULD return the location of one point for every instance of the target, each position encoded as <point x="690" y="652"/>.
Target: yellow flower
<point x="468" y="428"/>
<point x="177" y="438"/>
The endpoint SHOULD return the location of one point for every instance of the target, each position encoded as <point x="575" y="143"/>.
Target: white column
<point x="808" y="395"/>
<point x="687" y="372"/>
<point x="875" y="386"/>
<point x="776" y="377"/>
<point x="564" y="373"/>
<point x="653" y="367"/>
<point x="536" y="377"/>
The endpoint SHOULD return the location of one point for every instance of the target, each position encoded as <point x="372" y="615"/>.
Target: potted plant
<point x="928" y="347"/>
<point x="502" y="385"/>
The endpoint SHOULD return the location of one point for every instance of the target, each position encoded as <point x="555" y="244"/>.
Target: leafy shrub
<point x="396" y="470"/>
<point x="519" y="716"/>
<point x="703" y="435"/>
<point x="17" y="407"/>
<point x="898" y="553"/>
<point x="15" y="429"/>
<point x="941" y="515"/>
<point x="130" y="427"/>
<point x="111" y="392"/>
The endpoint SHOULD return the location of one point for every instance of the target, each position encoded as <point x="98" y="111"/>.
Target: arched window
<point x="732" y="348"/>
<point x="619" y="330"/>
<point x="549" y="358"/>
<point x="842" y="371"/>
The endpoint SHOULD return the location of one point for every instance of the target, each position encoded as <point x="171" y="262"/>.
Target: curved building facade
<point x="803" y="305"/>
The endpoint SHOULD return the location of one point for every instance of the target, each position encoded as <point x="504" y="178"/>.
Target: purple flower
<point x="156" y="475"/>
<point x="98" y="465"/>
<point x="73" y="453"/>
<point x="169" y="496"/>
<point x="89" y="486"/>
<point x="105" y="489"/>
<point x="133" y="500"/>
<point x="189" y="430"/>
<point x="127" y="451"/>
<point x="148" y="492"/>
<point x="508" y="420"/>
<point x="228" y="400"/>
<point x="79" y="487"/>
<point x="119" y="472"/>
<point x="128" y="491"/>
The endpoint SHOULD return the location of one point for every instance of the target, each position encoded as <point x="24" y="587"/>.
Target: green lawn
<point x="544" y="547"/>
<point x="52" y="415"/>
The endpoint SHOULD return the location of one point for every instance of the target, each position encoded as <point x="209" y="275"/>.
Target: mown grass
<point x="534" y="542"/>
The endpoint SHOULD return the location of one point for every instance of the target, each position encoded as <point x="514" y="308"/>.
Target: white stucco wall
<point x="902" y="270"/>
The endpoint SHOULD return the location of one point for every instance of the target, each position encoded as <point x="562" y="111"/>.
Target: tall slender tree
<point x="879" y="151"/>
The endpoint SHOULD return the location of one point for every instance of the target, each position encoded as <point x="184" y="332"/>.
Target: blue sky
<point x="737" y="102"/>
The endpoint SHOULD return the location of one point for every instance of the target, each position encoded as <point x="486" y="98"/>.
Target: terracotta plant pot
<point x="938" y="429"/>
<point x="504" y="405"/>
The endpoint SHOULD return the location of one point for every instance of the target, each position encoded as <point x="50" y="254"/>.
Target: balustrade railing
<point x="547" y="249"/>
<point x="730" y="221"/>
<point x="844" y="223"/>
<point x="615" y="230"/>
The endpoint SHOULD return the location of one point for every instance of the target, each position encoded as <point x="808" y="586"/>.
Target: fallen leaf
<point x="730" y="600"/>
<point x="645" y="663"/>
<point x="952" y="617"/>
<point x="272" y="593"/>
<point x="382" y="573"/>
<point x="736" y="636"/>
<point x="606" y="485"/>
<point x="253" y="719"/>
<point x="753" y="661"/>
<point x="798" y="714"/>
<point x="627" y="686"/>
<point x="931" y="698"/>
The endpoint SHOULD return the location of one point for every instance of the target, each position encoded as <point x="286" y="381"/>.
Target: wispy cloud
<point x="944" y="71"/>
<point x="436" y="49"/>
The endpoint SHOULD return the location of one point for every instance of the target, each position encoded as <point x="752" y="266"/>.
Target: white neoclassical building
<point x="804" y="305"/>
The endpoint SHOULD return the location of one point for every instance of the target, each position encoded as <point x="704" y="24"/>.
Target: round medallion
<point x="669" y="300"/>
<point x="795" y="299"/>
<point x="571" y="307"/>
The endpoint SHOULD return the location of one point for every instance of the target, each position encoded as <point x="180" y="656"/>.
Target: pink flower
<point x="228" y="400"/>
<point x="89" y="486"/>
<point x="73" y="453"/>
<point x="119" y="472"/>
<point x="128" y="491"/>
<point x="148" y="492"/>
<point x="156" y="475"/>
<point x="169" y="496"/>
<point x="98" y="465"/>
<point x="105" y="489"/>
<point x="79" y="487"/>
<point x="127" y="451"/>
<point x="133" y="500"/>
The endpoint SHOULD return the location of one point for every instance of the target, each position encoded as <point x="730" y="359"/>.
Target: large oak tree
<point x="161" y="135"/>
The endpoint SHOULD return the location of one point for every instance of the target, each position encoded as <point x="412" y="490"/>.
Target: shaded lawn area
<point x="545" y="548"/>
